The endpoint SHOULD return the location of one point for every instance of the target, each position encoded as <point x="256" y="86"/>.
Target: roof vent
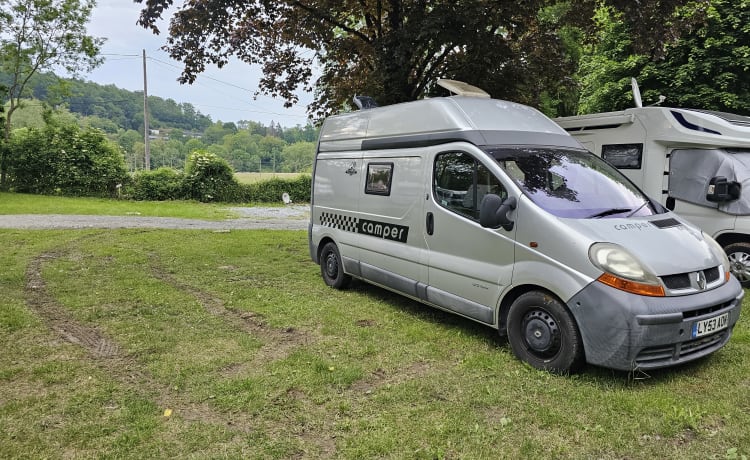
<point x="462" y="89"/>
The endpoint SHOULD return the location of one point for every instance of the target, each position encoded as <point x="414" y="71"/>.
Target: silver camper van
<point x="490" y="210"/>
<point x="696" y="163"/>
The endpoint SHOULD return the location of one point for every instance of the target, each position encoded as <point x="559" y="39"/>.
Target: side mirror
<point x="493" y="211"/>
<point x="721" y="190"/>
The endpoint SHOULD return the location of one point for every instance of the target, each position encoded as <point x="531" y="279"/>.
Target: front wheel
<point x="543" y="333"/>
<point x="331" y="267"/>
<point x="739" y="262"/>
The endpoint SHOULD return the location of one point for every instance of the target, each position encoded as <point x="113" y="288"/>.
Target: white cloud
<point x="225" y="94"/>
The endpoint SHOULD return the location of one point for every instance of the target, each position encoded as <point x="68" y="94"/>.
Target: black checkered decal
<point x="345" y="223"/>
<point x="374" y="228"/>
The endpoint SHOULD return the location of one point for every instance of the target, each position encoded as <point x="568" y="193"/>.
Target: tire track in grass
<point x="278" y="343"/>
<point x="107" y="355"/>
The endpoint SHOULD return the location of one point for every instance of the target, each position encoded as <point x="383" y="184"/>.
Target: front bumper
<point x="629" y="332"/>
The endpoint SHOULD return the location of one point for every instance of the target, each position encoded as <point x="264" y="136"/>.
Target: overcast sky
<point x="224" y="94"/>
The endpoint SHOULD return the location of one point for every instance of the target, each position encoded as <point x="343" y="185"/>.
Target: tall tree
<point x="38" y="35"/>
<point x="709" y="68"/>
<point x="393" y="50"/>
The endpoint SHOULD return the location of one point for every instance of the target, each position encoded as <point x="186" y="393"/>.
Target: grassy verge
<point x="20" y="203"/>
<point x="154" y="343"/>
<point x="253" y="177"/>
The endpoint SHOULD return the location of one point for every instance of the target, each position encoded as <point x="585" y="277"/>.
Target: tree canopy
<point x="395" y="50"/>
<point x="38" y="35"/>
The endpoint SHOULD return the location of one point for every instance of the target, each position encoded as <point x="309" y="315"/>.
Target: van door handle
<point x="430" y="223"/>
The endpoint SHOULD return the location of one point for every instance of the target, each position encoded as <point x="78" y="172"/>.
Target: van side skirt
<point x="419" y="291"/>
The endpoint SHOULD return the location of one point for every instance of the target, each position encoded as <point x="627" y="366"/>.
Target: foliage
<point x="209" y="178"/>
<point x="607" y="65"/>
<point x="395" y="50"/>
<point x="64" y="159"/>
<point x="270" y="191"/>
<point x="37" y="35"/>
<point x="709" y="68"/>
<point x="706" y="68"/>
<point x="298" y="157"/>
<point x="158" y="185"/>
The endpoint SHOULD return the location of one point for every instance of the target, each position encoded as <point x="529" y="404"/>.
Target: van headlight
<point x="719" y="253"/>
<point x="623" y="271"/>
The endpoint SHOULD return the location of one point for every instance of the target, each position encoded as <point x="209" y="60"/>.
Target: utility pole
<point x="146" y="150"/>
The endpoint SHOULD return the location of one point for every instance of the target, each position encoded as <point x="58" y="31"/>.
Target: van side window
<point x="623" y="156"/>
<point x="460" y="182"/>
<point x="379" y="177"/>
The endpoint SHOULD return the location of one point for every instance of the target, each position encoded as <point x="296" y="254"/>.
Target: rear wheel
<point x="739" y="261"/>
<point x="543" y="333"/>
<point x="331" y="267"/>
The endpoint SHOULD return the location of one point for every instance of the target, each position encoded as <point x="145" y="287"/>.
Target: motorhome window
<point x="460" y="182"/>
<point x="572" y="183"/>
<point x="379" y="178"/>
<point x="623" y="156"/>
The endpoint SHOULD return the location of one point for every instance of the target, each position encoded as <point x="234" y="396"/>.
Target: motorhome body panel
<point x="682" y="151"/>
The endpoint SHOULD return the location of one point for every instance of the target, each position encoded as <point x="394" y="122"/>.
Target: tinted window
<point x="460" y="182"/>
<point x="572" y="183"/>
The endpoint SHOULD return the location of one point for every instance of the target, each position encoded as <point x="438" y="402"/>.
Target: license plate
<point x="710" y="325"/>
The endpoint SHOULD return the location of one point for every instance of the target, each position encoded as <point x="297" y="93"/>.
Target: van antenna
<point x="364" y="102"/>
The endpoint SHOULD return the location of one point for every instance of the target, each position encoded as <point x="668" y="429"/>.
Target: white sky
<point x="225" y="94"/>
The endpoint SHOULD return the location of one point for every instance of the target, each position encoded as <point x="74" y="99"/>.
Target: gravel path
<point x="295" y="217"/>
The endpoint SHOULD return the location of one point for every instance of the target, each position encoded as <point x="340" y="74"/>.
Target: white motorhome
<point x="488" y="209"/>
<point x="696" y="163"/>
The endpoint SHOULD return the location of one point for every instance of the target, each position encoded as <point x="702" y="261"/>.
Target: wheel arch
<point x="516" y="292"/>
<point x="725" y="239"/>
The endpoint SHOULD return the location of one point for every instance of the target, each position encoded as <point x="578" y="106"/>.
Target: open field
<point x="253" y="177"/>
<point x="171" y="343"/>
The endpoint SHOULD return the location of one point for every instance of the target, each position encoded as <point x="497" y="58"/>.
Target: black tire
<point x="331" y="267"/>
<point x="543" y="333"/>
<point x="739" y="262"/>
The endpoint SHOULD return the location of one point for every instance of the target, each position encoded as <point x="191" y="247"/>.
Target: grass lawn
<point x="157" y="343"/>
<point x="20" y="203"/>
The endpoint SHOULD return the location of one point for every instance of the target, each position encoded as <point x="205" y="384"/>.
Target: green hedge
<point x="63" y="159"/>
<point x="270" y="191"/>
<point x="159" y="185"/>
<point x="168" y="184"/>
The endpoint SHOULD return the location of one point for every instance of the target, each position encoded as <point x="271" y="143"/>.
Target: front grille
<point x="683" y="280"/>
<point x="675" y="282"/>
<point x="712" y="274"/>
<point x="683" y="351"/>
<point x="706" y="310"/>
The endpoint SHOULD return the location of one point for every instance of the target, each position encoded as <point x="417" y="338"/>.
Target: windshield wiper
<point x="638" y="208"/>
<point x="609" y="212"/>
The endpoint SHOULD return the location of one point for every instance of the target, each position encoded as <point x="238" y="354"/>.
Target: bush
<point x="158" y="185"/>
<point x="63" y="159"/>
<point x="209" y="177"/>
<point x="270" y="191"/>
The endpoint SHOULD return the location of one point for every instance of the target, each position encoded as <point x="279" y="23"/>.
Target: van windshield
<point x="572" y="183"/>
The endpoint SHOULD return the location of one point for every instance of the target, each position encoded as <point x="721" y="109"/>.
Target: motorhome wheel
<point x="739" y="261"/>
<point x="331" y="267"/>
<point x="542" y="332"/>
